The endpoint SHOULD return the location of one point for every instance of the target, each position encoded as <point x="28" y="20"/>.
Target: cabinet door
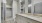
<point x="32" y="21"/>
<point x="21" y="19"/>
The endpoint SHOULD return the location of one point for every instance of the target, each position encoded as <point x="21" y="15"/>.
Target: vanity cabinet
<point x="22" y="19"/>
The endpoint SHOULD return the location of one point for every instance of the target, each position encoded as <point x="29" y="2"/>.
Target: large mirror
<point x="38" y="8"/>
<point x="29" y="6"/>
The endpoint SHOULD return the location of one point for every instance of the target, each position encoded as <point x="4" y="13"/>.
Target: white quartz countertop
<point x="37" y="18"/>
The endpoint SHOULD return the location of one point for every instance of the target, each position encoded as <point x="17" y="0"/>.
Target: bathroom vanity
<point x="28" y="18"/>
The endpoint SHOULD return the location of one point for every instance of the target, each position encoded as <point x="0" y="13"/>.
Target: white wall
<point x="14" y="9"/>
<point x="0" y="11"/>
<point x="26" y="6"/>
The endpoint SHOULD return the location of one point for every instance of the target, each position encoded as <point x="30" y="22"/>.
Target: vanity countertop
<point x="31" y="16"/>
